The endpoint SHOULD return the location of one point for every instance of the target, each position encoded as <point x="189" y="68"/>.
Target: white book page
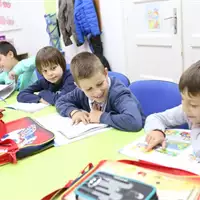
<point x="27" y="107"/>
<point x="65" y="132"/>
<point x="6" y="90"/>
<point x="178" y="153"/>
<point x="3" y="86"/>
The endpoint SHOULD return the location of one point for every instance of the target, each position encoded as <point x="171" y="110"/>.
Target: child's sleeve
<point x="127" y="115"/>
<point x="69" y="102"/>
<point x="167" y="119"/>
<point x="24" y="66"/>
<point x="2" y="77"/>
<point x="52" y="97"/>
<point x="27" y="95"/>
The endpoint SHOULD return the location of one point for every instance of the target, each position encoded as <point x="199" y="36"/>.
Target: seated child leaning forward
<point x="57" y="80"/>
<point x="14" y="69"/>
<point x="188" y="112"/>
<point x="99" y="98"/>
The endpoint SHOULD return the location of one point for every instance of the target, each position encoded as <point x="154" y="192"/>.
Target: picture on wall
<point x="153" y="17"/>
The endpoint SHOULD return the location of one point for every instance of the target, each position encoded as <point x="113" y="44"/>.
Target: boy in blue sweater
<point x="57" y="80"/>
<point x="98" y="98"/>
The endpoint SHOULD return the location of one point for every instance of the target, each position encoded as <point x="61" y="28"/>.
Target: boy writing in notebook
<point x="188" y="112"/>
<point x="14" y="69"/>
<point x="57" y="80"/>
<point x="98" y="98"/>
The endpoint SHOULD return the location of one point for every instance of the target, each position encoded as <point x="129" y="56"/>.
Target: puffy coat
<point x="85" y="19"/>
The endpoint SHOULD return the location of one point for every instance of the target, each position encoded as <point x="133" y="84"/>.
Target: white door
<point x="152" y="30"/>
<point x="191" y="31"/>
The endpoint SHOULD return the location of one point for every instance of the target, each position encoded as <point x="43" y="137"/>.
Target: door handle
<point x="174" y="17"/>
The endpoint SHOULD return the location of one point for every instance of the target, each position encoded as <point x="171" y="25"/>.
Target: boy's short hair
<point x="190" y="80"/>
<point x="47" y="56"/>
<point x="84" y="65"/>
<point x="5" y="47"/>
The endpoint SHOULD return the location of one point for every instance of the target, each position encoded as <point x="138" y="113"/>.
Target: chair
<point x="120" y="76"/>
<point x="157" y="96"/>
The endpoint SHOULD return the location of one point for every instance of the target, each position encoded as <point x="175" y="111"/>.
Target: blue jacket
<point x="48" y="91"/>
<point x="122" y="110"/>
<point x="85" y="19"/>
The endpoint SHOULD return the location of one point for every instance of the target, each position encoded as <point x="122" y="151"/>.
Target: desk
<point x="34" y="177"/>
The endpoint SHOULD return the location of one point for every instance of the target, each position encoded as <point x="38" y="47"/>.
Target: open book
<point x="178" y="153"/>
<point x="6" y="90"/>
<point x="27" y="107"/>
<point x="65" y="132"/>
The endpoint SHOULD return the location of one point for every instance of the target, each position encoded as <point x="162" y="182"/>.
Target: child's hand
<point x="12" y="75"/>
<point x="95" y="114"/>
<point x="154" y="138"/>
<point x="80" y="116"/>
<point x="43" y="101"/>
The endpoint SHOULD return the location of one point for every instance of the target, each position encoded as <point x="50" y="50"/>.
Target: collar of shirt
<point x="103" y="104"/>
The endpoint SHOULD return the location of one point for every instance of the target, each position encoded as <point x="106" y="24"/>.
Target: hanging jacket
<point x="97" y="48"/>
<point x="85" y="20"/>
<point x="66" y="20"/>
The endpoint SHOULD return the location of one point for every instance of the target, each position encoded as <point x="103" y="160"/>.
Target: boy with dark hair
<point x="98" y="98"/>
<point x="188" y="112"/>
<point x="14" y="69"/>
<point x="57" y="80"/>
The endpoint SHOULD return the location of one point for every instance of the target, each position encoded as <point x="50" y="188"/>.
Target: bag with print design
<point x="156" y="180"/>
<point x="21" y="138"/>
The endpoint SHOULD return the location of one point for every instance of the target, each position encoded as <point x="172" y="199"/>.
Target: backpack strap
<point x="3" y="130"/>
<point x="56" y="193"/>
<point x="8" y="147"/>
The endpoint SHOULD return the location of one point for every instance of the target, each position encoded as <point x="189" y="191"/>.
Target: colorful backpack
<point x="21" y="138"/>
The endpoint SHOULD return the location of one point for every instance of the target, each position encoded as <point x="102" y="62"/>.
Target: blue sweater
<point x="48" y="91"/>
<point x="122" y="110"/>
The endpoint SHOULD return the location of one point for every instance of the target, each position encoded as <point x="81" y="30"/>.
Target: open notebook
<point x="178" y="154"/>
<point x="27" y="107"/>
<point x="65" y="132"/>
<point x="6" y="90"/>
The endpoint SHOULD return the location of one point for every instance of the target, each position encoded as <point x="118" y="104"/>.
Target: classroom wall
<point x="32" y="35"/>
<point x="112" y="34"/>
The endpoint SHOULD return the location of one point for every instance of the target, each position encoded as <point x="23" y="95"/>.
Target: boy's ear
<point x="10" y="53"/>
<point x="106" y="71"/>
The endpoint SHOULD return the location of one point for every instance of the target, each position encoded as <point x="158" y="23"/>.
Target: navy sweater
<point x="122" y="112"/>
<point x="48" y="91"/>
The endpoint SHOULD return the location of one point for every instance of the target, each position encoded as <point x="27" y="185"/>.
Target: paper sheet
<point x="27" y="107"/>
<point x="178" y="154"/>
<point x="6" y="90"/>
<point x="65" y="132"/>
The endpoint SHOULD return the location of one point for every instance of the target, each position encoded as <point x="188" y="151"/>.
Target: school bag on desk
<point x="163" y="183"/>
<point x="21" y="138"/>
